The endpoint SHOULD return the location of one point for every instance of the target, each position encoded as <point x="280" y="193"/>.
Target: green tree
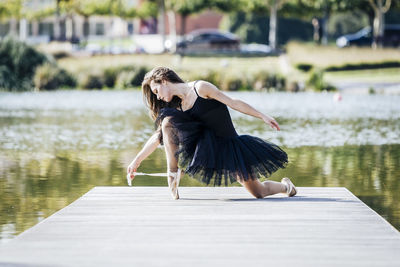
<point x="183" y="8"/>
<point x="292" y="8"/>
<point x="88" y="8"/>
<point x="12" y="10"/>
<point x="323" y="9"/>
<point x="186" y="8"/>
<point x="376" y="10"/>
<point x="262" y="7"/>
<point x="19" y="10"/>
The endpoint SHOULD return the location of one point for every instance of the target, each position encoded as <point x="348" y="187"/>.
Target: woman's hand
<point x="271" y="121"/>
<point x="133" y="167"/>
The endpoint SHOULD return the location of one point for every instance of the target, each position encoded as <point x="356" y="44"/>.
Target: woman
<point x="194" y="125"/>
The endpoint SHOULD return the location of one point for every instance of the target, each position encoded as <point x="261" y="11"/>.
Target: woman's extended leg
<point x="169" y="139"/>
<point x="266" y="188"/>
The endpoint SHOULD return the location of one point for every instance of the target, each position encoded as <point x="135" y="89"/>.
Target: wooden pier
<point x="208" y="226"/>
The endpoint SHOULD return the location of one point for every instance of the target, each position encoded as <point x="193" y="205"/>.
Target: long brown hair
<point x="158" y="75"/>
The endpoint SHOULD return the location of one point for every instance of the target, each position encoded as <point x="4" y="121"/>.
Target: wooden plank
<point x="144" y="226"/>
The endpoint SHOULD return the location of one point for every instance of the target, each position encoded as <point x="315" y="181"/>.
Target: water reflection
<point x="34" y="187"/>
<point x="56" y="146"/>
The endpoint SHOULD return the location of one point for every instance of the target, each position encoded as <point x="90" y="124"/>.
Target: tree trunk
<point x="380" y="8"/>
<point x="316" y="27"/>
<point x="23" y="29"/>
<point x="183" y="24"/>
<point x="86" y="28"/>
<point x="13" y="27"/>
<point x="162" y="24"/>
<point x="35" y="27"/>
<point x="172" y="30"/>
<point x="57" y="28"/>
<point x="378" y="29"/>
<point x="325" y="20"/>
<point x="69" y="28"/>
<point x="273" y="21"/>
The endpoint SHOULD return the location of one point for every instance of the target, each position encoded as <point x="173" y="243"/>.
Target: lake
<point x="55" y="146"/>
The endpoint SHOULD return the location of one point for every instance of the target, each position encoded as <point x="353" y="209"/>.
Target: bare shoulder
<point x="206" y="89"/>
<point x="210" y="91"/>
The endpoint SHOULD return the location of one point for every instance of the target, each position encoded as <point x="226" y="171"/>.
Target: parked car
<point x="364" y="37"/>
<point x="256" y="49"/>
<point x="208" y="40"/>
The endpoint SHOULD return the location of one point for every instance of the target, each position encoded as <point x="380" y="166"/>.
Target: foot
<point x="290" y="188"/>
<point x="173" y="183"/>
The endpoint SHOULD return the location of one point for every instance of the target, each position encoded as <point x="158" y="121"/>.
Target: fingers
<point x="275" y="125"/>
<point x="272" y="122"/>
<point x="131" y="173"/>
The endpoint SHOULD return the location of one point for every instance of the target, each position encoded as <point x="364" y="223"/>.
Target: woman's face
<point x="161" y="90"/>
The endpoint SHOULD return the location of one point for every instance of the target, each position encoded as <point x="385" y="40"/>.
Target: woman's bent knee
<point x="170" y="136"/>
<point x="258" y="194"/>
<point x="254" y="187"/>
<point x="166" y="123"/>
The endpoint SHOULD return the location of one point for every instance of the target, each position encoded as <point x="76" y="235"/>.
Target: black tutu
<point x="212" y="159"/>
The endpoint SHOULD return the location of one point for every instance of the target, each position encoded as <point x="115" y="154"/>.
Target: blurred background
<point x="72" y="114"/>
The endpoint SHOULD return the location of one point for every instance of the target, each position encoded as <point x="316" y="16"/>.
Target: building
<point x="74" y="27"/>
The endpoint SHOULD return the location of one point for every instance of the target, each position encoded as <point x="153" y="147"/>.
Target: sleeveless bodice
<point x="214" y="114"/>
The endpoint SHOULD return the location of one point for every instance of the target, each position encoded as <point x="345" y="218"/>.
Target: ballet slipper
<point x="173" y="182"/>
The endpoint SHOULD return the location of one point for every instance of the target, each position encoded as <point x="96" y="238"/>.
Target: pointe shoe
<point x="291" y="189"/>
<point x="173" y="182"/>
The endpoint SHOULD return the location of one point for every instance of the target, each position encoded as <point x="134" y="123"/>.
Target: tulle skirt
<point x="215" y="160"/>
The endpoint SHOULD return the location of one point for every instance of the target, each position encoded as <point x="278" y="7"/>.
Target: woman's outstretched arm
<point x="209" y="90"/>
<point x="147" y="149"/>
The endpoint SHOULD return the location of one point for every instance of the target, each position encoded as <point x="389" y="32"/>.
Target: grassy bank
<point x="372" y="64"/>
<point x="327" y="56"/>
<point x="389" y="75"/>
<point x="85" y="64"/>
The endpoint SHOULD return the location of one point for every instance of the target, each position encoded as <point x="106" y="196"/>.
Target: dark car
<point x="208" y="40"/>
<point x="364" y="37"/>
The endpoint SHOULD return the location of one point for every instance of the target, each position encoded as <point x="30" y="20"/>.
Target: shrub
<point x="125" y="79"/>
<point x="371" y="90"/>
<point x="316" y="81"/>
<point x="232" y="82"/>
<point x="60" y="54"/>
<point x="266" y="81"/>
<point x="91" y="81"/>
<point x="7" y="79"/>
<point x="110" y="75"/>
<point x="50" y="77"/>
<point x="364" y="66"/>
<point x="293" y="87"/>
<point x="211" y="76"/>
<point x="139" y="75"/>
<point x="18" y="61"/>
<point x="304" y="66"/>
